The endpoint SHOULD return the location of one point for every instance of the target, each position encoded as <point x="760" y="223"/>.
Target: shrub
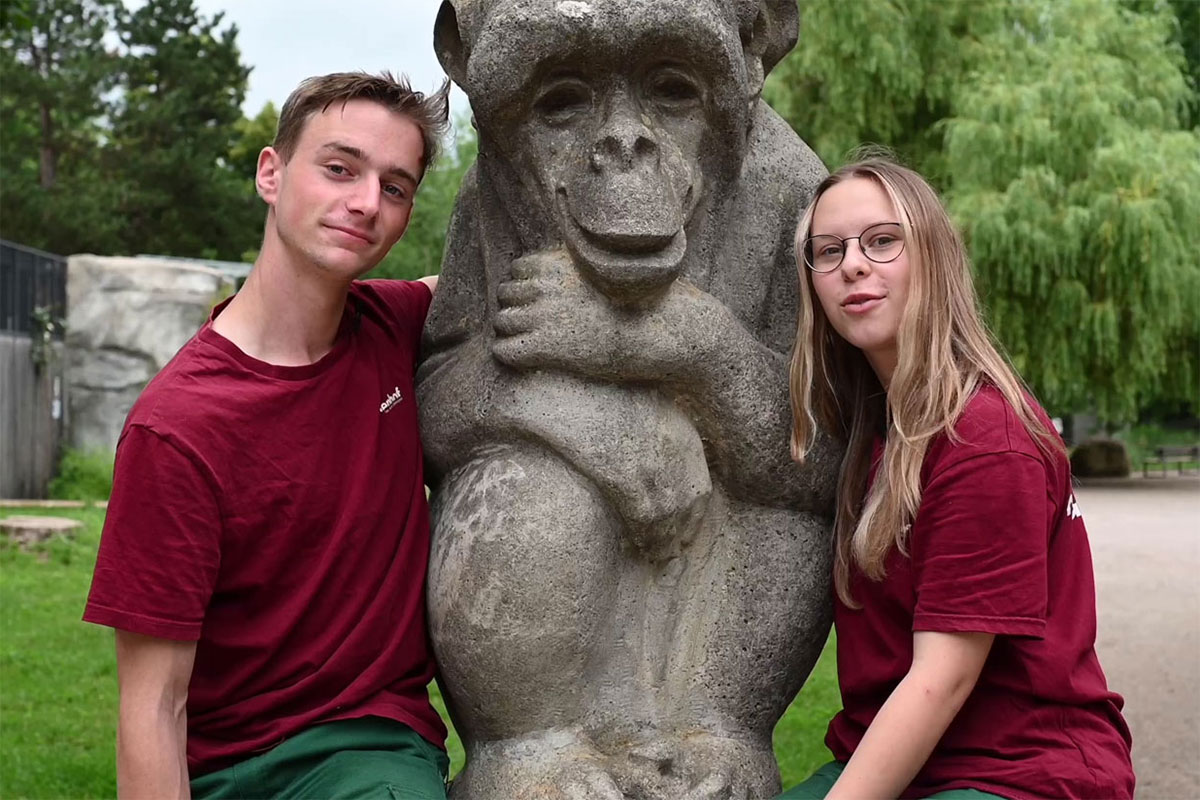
<point x="1100" y="458"/>
<point x="83" y="475"/>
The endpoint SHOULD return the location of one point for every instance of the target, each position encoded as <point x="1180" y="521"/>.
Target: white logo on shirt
<point x="1073" y="511"/>
<point x="390" y="401"/>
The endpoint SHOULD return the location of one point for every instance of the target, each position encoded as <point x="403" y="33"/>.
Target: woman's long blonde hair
<point x="945" y="354"/>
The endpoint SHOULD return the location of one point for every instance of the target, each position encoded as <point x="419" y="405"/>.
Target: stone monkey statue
<point x="629" y="578"/>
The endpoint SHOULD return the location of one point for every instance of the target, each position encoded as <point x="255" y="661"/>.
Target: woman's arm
<point x="909" y="725"/>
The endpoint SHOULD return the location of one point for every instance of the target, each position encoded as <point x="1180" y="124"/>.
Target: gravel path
<point x="1145" y="536"/>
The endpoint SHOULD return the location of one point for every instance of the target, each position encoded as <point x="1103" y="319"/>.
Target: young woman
<point x="965" y="605"/>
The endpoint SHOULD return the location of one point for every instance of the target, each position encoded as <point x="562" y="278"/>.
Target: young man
<point x="263" y="559"/>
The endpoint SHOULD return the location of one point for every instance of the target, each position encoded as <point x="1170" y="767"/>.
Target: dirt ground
<point x="1145" y="535"/>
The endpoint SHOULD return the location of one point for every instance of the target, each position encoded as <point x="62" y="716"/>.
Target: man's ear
<point x="268" y="174"/>
<point x="448" y="43"/>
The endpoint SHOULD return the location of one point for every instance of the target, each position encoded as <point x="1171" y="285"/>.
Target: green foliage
<point x="1056" y="130"/>
<point x="123" y="148"/>
<point x="83" y="475"/>
<point x="1141" y="440"/>
<point x="60" y="686"/>
<point x="419" y="253"/>
<point x="56" y="68"/>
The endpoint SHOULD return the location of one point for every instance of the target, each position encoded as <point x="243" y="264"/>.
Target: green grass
<point x="58" y="683"/>
<point x="83" y="475"/>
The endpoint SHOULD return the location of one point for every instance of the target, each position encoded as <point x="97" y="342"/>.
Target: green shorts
<point x="371" y="757"/>
<point x="817" y="786"/>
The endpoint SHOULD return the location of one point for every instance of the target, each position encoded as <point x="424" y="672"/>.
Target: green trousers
<point x="817" y="786"/>
<point x="364" y="758"/>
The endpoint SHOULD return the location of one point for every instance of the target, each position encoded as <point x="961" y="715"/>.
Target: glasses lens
<point x="824" y="253"/>
<point x="883" y="242"/>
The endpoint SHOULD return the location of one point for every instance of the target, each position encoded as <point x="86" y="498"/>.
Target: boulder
<point x="126" y="318"/>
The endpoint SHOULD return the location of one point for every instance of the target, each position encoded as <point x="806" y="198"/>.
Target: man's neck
<point x="283" y="315"/>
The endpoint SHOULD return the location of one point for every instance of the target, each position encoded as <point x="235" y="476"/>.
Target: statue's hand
<point x="550" y="317"/>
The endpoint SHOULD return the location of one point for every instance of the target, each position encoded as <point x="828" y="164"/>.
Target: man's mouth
<point x="353" y="232"/>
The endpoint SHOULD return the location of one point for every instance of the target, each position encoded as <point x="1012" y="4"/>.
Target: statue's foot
<point x="697" y="766"/>
<point x="559" y="765"/>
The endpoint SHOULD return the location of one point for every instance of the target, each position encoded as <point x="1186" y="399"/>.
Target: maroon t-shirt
<point x="277" y="516"/>
<point x="998" y="546"/>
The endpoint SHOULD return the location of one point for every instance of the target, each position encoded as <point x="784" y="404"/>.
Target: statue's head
<point x="615" y="120"/>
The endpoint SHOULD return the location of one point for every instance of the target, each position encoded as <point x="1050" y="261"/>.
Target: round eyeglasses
<point x="881" y="243"/>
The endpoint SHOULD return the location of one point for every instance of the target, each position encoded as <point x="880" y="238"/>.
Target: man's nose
<point x="364" y="198"/>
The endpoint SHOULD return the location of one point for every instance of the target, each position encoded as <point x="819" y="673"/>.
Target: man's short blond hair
<point x="314" y="95"/>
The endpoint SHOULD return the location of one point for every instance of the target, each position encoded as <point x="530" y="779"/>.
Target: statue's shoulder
<point x="778" y="162"/>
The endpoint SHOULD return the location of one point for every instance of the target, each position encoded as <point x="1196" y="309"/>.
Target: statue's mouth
<point x="628" y="261"/>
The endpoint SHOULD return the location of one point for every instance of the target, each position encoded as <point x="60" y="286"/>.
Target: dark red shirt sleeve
<point x="160" y="550"/>
<point x="409" y="302"/>
<point x="980" y="545"/>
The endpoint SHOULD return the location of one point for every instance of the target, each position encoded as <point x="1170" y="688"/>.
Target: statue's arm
<point x="455" y="347"/>
<point x="684" y="342"/>
<point x="736" y="389"/>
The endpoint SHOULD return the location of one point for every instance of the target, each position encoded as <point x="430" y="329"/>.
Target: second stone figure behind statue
<point x="630" y="579"/>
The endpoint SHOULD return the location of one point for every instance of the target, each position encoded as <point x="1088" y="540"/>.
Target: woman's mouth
<point x="861" y="303"/>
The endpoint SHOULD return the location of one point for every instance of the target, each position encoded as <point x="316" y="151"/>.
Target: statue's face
<point x="619" y="118"/>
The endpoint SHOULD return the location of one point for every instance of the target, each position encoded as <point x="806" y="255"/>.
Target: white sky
<point x="285" y="41"/>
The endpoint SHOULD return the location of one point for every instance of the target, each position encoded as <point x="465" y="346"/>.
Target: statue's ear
<point x="449" y="45"/>
<point x="768" y="38"/>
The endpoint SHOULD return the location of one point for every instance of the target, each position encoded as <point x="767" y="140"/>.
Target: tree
<point x="174" y="129"/>
<point x="55" y="67"/>
<point x="117" y="130"/>
<point x="1056" y="131"/>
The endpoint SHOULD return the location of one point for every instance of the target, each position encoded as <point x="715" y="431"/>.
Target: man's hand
<point x="153" y="675"/>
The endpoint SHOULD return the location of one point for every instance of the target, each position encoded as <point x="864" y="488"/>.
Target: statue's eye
<point x="562" y="100"/>
<point x="673" y="88"/>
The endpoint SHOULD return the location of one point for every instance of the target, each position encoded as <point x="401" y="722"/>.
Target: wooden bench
<point x="1172" y="454"/>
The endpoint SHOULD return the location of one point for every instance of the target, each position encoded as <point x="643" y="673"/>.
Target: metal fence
<point x="33" y="305"/>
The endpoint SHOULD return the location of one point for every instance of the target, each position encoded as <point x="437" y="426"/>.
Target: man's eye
<point x="337" y="169"/>
<point x="395" y="191"/>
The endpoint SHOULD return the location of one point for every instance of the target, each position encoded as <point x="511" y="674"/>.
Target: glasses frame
<point x="807" y="248"/>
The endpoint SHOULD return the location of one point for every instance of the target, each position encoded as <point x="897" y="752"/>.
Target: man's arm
<point x="430" y="281"/>
<point x="153" y="676"/>
<point x="909" y="725"/>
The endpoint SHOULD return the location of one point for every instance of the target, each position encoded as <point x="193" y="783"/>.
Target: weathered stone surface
<point x="629" y="578"/>
<point x="25" y="531"/>
<point x="126" y="318"/>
